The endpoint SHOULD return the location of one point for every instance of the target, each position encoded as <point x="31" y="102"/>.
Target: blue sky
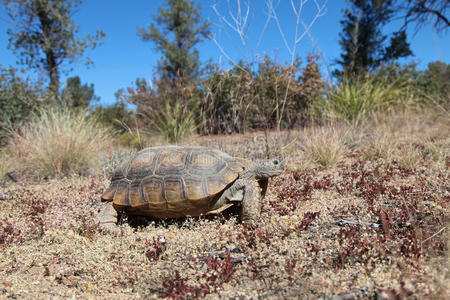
<point x="123" y="57"/>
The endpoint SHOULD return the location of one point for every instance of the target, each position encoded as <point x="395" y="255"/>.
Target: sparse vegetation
<point x="367" y="226"/>
<point x="324" y="146"/>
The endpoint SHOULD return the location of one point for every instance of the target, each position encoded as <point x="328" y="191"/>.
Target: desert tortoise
<point x="172" y="181"/>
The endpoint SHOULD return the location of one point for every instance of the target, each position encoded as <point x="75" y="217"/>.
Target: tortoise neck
<point x="249" y="173"/>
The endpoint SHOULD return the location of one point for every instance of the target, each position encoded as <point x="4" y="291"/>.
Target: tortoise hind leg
<point x="107" y="217"/>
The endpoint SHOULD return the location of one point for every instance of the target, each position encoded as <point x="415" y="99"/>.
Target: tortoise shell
<point x="172" y="181"/>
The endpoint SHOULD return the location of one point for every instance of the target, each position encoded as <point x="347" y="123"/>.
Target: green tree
<point x="76" y="95"/>
<point x="44" y="35"/>
<point x="18" y="99"/>
<point x="434" y="83"/>
<point x="179" y="28"/>
<point x="169" y="108"/>
<point x="362" y="40"/>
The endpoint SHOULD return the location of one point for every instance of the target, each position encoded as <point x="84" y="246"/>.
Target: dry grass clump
<point x="323" y="146"/>
<point x="58" y="142"/>
<point x="381" y="142"/>
<point x="5" y="165"/>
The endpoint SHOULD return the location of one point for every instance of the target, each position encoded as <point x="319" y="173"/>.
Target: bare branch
<point x="238" y="22"/>
<point x="274" y="15"/>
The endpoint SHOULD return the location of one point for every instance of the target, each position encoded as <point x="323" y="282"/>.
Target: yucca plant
<point x="356" y="99"/>
<point x="175" y="121"/>
<point x="58" y="142"/>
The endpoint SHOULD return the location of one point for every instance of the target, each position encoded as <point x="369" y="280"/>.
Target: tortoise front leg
<point x="251" y="204"/>
<point x="249" y="193"/>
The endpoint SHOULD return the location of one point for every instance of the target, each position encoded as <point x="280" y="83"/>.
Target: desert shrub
<point x="113" y="159"/>
<point x="263" y="95"/>
<point x="116" y="116"/>
<point x="133" y="139"/>
<point x="430" y="87"/>
<point x="355" y="99"/>
<point x="58" y="142"/>
<point x="175" y="121"/>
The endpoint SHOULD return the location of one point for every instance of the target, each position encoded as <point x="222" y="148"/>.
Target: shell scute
<point x="171" y="162"/>
<point x="122" y="197"/>
<point x="141" y="165"/>
<point x="173" y="191"/>
<point x="153" y="192"/>
<point x="195" y="189"/>
<point x="202" y="163"/>
<point x="136" y="195"/>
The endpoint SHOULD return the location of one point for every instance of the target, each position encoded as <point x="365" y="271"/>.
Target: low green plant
<point x="356" y="99"/>
<point x="57" y="143"/>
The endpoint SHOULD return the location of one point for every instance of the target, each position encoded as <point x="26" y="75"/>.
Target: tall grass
<point x="57" y="143"/>
<point x="356" y="99"/>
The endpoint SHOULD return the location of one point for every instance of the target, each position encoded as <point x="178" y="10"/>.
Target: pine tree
<point x="44" y="35"/>
<point x="362" y="40"/>
<point x="179" y="28"/>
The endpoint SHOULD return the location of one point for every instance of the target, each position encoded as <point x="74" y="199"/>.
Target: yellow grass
<point x="58" y="142"/>
<point x="323" y="146"/>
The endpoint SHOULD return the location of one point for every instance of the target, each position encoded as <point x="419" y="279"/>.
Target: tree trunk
<point x="52" y="69"/>
<point x="50" y="56"/>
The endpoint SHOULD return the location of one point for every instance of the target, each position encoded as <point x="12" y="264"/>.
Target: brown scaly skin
<point x="248" y="188"/>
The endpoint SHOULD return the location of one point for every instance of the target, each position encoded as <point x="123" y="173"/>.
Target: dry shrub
<point x="323" y="146"/>
<point x="58" y="142"/>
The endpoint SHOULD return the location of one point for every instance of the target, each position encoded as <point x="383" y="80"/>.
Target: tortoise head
<point x="264" y="168"/>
